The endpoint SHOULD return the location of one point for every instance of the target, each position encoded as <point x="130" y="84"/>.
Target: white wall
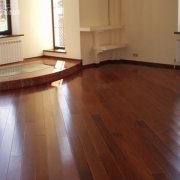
<point x="36" y="25"/>
<point x="149" y="28"/>
<point x="150" y="25"/>
<point x="93" y="12"/>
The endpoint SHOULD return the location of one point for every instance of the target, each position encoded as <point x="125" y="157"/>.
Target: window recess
<point x="58" y="24"/>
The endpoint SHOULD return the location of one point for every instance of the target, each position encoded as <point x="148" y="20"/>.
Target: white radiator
<point x="10" y="51"/>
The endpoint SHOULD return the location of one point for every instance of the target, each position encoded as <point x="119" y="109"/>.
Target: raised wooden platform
<point x="51" y="69"/>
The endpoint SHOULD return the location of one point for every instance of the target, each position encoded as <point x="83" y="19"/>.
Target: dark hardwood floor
<point x="113" y="122"/>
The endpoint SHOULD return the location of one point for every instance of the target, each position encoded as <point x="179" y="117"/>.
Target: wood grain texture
<point x="117" y="121"/>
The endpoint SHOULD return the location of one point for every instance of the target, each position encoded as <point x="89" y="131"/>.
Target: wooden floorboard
<point x="117" y="121"/>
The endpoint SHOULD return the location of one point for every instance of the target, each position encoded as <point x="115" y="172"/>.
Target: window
<point x="5" y="18"/>
<point x="58" y="24"/>
<point x="178" y="15"/>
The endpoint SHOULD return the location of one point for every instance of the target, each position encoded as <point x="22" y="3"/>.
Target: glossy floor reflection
<point x="112" y="122"/>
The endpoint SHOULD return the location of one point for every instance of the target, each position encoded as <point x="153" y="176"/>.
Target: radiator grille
<point x="10" y="51"/>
